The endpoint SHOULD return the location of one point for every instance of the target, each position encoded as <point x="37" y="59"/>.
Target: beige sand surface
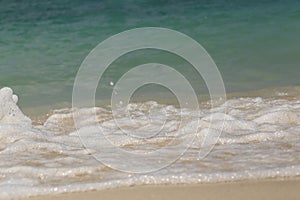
<point x="260" y="189"/>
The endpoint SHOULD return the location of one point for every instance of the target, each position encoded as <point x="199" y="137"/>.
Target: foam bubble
<point x="259" y="139"/>
<point x="9" y="111"/>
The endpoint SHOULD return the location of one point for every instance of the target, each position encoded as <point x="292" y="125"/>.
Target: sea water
<point x="255" y="44"/>
<point x="260" y="139"/>
<point x="42" y="44"/>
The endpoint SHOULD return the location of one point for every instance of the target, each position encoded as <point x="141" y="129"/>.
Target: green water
<point x="255" y="44"/>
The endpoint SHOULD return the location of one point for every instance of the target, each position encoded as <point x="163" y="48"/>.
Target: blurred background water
<point x="255" y="44"/>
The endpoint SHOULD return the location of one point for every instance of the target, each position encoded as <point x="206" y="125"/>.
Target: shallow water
<point x="260" y="139"/>
<point x="42" y="44"/>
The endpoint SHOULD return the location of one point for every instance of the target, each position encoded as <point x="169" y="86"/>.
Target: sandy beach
<point x="253" y="189"/>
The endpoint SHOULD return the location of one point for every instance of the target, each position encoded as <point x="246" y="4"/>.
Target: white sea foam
<point x="260" y="139"/>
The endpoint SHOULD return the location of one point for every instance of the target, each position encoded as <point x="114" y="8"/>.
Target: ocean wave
<point x="260" y="139"/>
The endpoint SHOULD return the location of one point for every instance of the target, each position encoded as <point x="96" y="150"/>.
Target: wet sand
<point x="253" y="189"/>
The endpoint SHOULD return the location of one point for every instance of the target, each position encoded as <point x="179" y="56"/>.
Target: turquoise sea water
<point x="255" y="44"/>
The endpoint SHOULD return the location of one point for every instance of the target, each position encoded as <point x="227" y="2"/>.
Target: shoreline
<point x="287" y="188"/>
<point x="39" y="113"/>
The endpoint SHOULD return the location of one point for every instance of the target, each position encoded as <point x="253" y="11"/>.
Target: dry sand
<point x="255" y="190"/>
